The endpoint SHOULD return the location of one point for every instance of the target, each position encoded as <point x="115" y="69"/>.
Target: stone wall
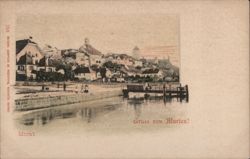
<point x="44" y="102"/>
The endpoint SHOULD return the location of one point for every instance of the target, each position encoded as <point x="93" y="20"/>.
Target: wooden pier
<point x="167" y="91"/>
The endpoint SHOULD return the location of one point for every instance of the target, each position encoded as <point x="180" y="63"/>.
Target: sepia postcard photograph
<point x="124" y="79"/>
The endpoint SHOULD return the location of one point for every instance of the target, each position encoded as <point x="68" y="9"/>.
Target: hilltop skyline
<point x="108" y="33"/>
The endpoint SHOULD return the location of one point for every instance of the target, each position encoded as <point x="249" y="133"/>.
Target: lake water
<point x="106" y="116"/>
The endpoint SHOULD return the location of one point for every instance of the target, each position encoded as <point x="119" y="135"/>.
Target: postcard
<point x="124" y="79"/>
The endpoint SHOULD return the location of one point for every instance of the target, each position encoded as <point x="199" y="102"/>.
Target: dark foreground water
<point x="115" y="114"/>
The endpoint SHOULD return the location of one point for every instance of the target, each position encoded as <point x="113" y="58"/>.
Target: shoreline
<point x="33" y="97"/>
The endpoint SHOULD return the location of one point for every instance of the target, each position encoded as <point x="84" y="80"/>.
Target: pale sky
<point x="117" y="33"/>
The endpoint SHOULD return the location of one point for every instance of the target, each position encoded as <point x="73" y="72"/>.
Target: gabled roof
<point x="20" y="44"/>
<point x="82" y="70"/>
<point x="25" y="60"/>
<point x="86" y="48"/>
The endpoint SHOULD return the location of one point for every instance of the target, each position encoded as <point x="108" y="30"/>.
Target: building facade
<point x="28" y="55"/>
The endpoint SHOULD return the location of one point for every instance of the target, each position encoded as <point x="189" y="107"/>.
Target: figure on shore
<point x="86" y="89"/>
<point x="82" y="89"/>
<point x="76" y="89"/>
<point x="64" y="86"/>
<point x="43" y="87"/>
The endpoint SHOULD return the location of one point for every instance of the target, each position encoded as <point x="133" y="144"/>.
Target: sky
<point x="157" y="35"/>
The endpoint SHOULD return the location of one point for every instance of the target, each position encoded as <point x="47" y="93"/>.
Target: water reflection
<point x="45" y="116"/>
<point x="116" y="112"/>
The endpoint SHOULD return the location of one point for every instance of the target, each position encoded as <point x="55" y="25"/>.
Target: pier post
<point x="170" y="91"/>
<point x="164" y="91"/>
<point x="178" y="93"/>
<point x="181" y="90"/>
<point x="187" y="94"/>
<point x="64" y="86"/>
<point x="125" y="93"/>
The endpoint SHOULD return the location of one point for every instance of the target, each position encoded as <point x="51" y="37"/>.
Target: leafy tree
<point x="112" y="65"/>
<point x="103" y="72"/>
<point x="68" y="73"/>
<point x="49" y="76"/>
<point x="148" y="79"/>
<point x="138" y="67"/>
<point x="94" y="67"/>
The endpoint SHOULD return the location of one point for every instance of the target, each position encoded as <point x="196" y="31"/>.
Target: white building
<point x="121" y="59"/>
<point x="81" y="59"/>
<point x="92" y="55"/>
<point x="28" y="55"/>
<point x="138" y="63"/>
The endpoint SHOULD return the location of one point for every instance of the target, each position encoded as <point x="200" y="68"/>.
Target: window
<point x="30" y="67"/>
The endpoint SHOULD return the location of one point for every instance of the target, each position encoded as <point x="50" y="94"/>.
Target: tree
<point x="112" y="65"/>
<point x="94" y="67"/>
<point x="103" y="72"/>
<point x="69" y="75"/>
<point x="138" y="67"/>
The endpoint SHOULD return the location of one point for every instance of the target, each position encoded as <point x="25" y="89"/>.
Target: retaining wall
<point x="44" y="102"/>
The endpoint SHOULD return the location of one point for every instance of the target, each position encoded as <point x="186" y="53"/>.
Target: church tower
<point x="86" y="40"/>
<point x="136" y="52"/>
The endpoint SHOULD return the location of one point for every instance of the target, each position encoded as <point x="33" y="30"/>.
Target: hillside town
<point x="86" y="63"/>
